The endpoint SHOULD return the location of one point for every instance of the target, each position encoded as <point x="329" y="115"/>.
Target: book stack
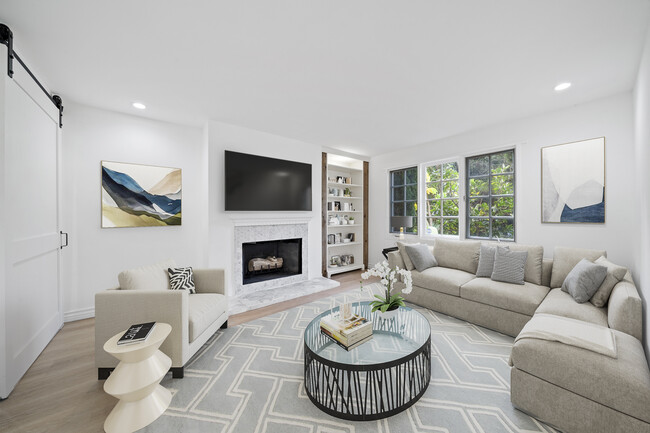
<point x="348" y="333"/>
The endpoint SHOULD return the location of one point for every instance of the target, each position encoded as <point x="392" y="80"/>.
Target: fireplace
<point x="268" y="260"/>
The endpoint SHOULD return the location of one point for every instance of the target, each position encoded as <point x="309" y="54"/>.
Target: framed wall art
<point x="573" y="182"/>
<point x="135" y="195"/>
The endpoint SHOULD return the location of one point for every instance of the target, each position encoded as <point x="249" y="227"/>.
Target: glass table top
<point x="392" y="339"/>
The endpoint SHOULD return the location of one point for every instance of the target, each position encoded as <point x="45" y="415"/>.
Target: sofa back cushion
<point x="461" y="255"/>
<point x="533" y="269"/>
<point x="151" y="277"/>
<point x="565" y="259"/>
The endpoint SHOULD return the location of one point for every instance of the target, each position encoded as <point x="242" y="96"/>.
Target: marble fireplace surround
<point x="255" y="230"/>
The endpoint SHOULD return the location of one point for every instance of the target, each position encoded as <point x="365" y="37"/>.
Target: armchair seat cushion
<point x="204" y="310"/>
<point x="512" y="297"/>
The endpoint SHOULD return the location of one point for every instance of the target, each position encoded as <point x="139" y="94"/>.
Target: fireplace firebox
<point x="267" y="260"/>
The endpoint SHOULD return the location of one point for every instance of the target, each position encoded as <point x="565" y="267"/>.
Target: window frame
<point x="461" y="198"/>
<point x="489" y="197"/>
<point x="416" y="201"/>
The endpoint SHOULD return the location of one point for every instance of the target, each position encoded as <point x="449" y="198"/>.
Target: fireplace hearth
<point x="267" y="260"/>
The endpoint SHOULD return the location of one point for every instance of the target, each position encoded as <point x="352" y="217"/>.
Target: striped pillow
<point x="181" y="279"/>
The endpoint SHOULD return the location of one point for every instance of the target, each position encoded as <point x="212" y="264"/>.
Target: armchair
<point x="194" y="318"/>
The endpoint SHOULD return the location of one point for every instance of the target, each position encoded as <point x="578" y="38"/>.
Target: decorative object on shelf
<point x="389" y="276"/>
<point x="331" y="239"/>
<point x="334" y="220"/>
<point x="347" y="192"/>
<point x="401" y="222"/>
<point x="350" y="236"/>
<point x="339" y="179"/>
<point x="335" y="261"/>
<point x="573" y="182"/>
<point x="350" y="219"/>
<point x="338" y="238"/>
<point x="337" y="205"/>
<point x="347" y="259"/>
<point x="135" y="195"/>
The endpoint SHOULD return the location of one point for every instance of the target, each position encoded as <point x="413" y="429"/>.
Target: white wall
<point x="642" y="158"/>
<point x="611" y="117"/>
<point x="95" y="255"/>
<point x="222" y="137"/>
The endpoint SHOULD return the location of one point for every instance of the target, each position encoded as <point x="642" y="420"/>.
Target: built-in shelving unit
<point x="344" y="215"/>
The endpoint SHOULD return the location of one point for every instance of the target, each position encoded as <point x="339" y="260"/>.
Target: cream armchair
<point x="194" y="318"/>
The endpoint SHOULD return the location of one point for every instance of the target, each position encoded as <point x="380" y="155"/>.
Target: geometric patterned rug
<point x="249" y="379"/>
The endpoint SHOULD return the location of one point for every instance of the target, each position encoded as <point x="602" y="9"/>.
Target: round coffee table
<point x="380" y="378"/>
<point x="136" y="381"/>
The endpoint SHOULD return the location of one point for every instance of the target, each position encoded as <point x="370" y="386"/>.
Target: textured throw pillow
<point x="152" y="277"/>
<point x="421" y="256"/>
<point x="486" y="261"/>
<point x="407" y="260"/>
<point x="615" y="274"/>
<point x="584" y="280"/>
<point x="509" y="266"/>
<point x="181" y="279"/>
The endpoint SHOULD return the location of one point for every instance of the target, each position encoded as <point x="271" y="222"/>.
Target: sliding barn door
<point x="30" y="292"/>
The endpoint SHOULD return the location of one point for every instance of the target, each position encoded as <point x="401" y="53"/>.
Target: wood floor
<point x="61" y="393"/>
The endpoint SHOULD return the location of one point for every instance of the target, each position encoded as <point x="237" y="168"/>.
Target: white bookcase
<point x="344" y="215"/>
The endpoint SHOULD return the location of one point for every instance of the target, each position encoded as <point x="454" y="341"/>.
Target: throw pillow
<point x="421" y="256"/>
<point x="407" y="260"/>
<point x="584" y="280"/>
<point x="486" y="260"/>
<point x="152" y="277"/>
<point x="181" y="279"/>
<point x="615" y="274"/>
<point x="509" y="266"/>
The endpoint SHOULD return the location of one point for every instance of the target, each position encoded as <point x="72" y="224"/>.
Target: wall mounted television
<point x="258" y="183"/>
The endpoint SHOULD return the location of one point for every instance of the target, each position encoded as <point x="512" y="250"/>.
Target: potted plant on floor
<point x="389" y="303"/>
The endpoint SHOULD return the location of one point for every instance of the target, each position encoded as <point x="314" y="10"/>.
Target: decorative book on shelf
<point x="136" y="333"/>
<point x="347" y="333"/>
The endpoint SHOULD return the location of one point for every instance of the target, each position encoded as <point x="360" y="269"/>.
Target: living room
<point x="397" y="87"/>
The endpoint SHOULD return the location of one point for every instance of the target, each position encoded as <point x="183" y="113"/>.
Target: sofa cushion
<point x="421" y="256"/>
<point x="562" y="304"/>
<point x="615" y="274"/>
<point x="512" y="297"/>
<point x="461" y="255"/>
<point x="565" y="258"/>
<point x="625" y="308"/>
<point x="204" y="309"/>
<point x="151" y="277"/>
<point x="486" y="261"/>
<point x="533" y="272"/>
<point x="439" y="279"/>
<point x="584" y="280"/>
<point x="181" y="279"/>
<point x="407" y="260"/>
<point x="509" y="266"/>
<point x="621" y="383"/>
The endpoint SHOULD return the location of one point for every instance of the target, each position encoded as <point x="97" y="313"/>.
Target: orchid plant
<point x="389" y="277"/>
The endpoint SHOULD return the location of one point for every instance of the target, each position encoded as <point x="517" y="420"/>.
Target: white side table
<point x="136" y="381"/>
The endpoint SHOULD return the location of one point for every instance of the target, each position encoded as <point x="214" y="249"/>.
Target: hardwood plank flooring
<point x="61" y="393"/>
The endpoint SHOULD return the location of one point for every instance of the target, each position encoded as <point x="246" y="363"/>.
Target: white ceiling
<point x="363" y="76"/>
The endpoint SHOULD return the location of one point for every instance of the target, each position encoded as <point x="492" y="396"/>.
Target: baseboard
<point x="82" y="313"/>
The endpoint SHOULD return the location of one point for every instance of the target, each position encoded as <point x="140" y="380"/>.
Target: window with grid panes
<point x="404" y="196"/>
<point x="491" y="196"/>
<point x="441" y="195"/>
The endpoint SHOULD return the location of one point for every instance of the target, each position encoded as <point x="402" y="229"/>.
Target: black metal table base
<point x="367" y="392"/>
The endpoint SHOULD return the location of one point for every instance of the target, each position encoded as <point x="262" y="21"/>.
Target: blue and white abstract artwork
<point x="573" y="182"/>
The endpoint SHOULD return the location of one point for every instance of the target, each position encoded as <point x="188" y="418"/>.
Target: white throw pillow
<point x="151" y="277"/>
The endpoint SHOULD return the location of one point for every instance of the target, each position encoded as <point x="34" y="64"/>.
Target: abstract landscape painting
<point x="573" y="182"/>
<point x="136" y="195"/>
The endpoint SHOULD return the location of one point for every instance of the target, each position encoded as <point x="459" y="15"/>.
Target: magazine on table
<point x="136" y="333"/>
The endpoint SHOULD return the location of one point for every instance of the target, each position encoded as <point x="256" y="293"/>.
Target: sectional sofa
<point x="571" y="388"/>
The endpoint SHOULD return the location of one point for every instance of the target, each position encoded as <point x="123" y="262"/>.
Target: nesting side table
<point x="136" y="381"/>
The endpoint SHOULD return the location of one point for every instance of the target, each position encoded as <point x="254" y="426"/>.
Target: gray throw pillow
<point x="421" y="256"/>
<point x="407" y="260"/>
<point x="486" y="260"/>
<point x="584" y="280"/>
<point x="615" y="274"/>
<point x="509" y="266"/>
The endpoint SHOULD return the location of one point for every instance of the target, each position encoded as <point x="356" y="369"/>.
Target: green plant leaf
<point x="384" y="307"/>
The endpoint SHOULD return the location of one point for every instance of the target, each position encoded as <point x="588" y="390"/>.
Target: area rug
<point x="249" y="379"/>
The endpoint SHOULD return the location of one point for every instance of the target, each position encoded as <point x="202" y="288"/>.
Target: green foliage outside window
<point x="442" y="197"/>
<point x="404" y="196"/>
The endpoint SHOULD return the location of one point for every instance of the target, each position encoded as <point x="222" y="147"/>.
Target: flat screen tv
<point x="258" y="183"/>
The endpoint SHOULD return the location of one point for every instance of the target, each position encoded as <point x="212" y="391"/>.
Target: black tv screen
<point x="258" y="183"/>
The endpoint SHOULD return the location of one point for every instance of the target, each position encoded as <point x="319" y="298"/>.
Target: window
<point x="491" y="196"/>
<point x="441" y="199"/>
<point x="404" y="196"/>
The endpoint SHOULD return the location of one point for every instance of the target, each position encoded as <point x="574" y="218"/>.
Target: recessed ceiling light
<point x="139" y="105"/>
<point x="562" y="86"/>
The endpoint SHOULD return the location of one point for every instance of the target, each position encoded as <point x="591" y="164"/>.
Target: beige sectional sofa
<point x="574" y="389"/>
